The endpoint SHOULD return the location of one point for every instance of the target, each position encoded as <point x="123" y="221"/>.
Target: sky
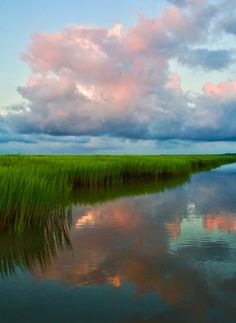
<point x="104" y="77"/>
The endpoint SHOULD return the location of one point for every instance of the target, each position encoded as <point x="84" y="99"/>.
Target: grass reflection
<point x="35" y="247"/>
<point x="33" y="243"/>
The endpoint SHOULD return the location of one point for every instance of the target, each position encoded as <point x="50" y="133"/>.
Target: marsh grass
<point x="35" y="248"/>
<point x="37" y="194"/>
<point x="34" y="188"/>
<point x="92" y="196"/>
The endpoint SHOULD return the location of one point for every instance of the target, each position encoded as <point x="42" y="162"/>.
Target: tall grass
<point x="93" y="196"/>
<point x="35" y="248"/>
<point x="33" y="188"/>
<point x="36" y="193"/>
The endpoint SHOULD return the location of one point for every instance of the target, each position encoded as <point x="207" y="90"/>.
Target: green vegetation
<point x="37" y="194"/>
<point x="35" y="248"/>
<point x="93" y="196"/>
<point x="34" y="188"/>
<point x="53" y="235"/>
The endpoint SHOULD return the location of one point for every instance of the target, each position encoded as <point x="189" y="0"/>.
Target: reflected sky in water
<point x="166" y="257"/>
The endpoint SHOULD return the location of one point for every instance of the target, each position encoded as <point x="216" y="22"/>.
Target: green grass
<point x="37" y="194"/>
<point x="35" y="248"/>
<point x="92" y="196"/>
<point x="34" y="188"/>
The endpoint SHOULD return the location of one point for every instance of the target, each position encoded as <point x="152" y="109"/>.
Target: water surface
<point x="161" y="257"/>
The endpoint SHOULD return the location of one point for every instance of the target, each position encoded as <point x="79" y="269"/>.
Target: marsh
<point x="164" y="256"/>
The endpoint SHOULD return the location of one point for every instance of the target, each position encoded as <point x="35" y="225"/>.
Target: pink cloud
<point x="43" y="51"/>
<point x="120" y="65"/>
<point x="174" y="20"/>
<point x="174" y="83"/>
<point x="117" y="81"/>
<point x="223" y="90"/>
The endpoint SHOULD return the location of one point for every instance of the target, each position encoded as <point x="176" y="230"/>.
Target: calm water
<point x="167" y="257"/>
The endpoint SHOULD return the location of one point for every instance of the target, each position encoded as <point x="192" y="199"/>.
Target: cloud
<point x="117" y="83"/>
<point x="229" y="25"/>
<point x="16" y="138"/>
<point x="224" y="90"/>
<point x="206" y="59"/>
<point x="181" y="3"/>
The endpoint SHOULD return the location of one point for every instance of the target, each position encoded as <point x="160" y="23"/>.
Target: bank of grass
<point x="35" y="187"/>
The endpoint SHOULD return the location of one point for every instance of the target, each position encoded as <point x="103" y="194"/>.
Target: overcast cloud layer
<point x="91" y="84"/>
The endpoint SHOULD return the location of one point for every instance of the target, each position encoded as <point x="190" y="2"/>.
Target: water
<point x="166" y="257"/>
